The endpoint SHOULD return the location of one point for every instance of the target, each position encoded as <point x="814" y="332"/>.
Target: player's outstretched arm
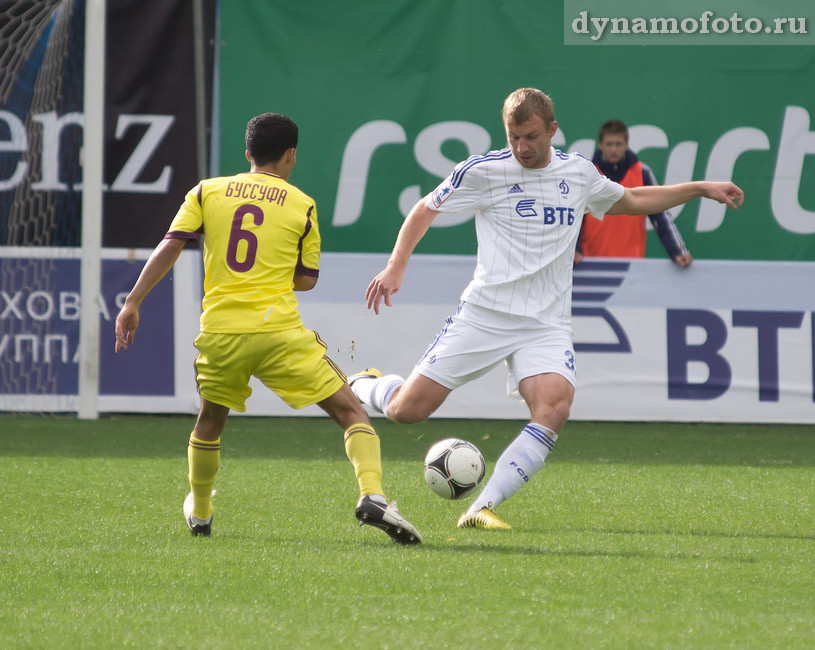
<point x="160" y="262"/>
<point x="726" y="192"/>
<point x="658" y="198"/>
<point x="389" y="280"/>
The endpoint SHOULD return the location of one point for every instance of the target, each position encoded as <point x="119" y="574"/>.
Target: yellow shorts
<point x="293" y="363"/>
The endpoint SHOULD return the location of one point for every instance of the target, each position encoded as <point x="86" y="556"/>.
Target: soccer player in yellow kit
<point x="262" y="244"/>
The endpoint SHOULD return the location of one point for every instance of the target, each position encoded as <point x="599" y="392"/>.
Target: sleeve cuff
<point x="181" y="234"/>
<point x="304" y="270"/>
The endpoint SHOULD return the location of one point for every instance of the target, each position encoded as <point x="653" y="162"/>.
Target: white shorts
<point x="476" y="339"/>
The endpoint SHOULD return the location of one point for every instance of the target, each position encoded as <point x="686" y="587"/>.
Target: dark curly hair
<point x="269" y="136"/>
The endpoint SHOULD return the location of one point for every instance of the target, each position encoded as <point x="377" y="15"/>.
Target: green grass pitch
<point x="633" y="536"/>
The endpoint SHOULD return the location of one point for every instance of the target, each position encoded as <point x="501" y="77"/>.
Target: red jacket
<point x="617" y="235"/>
<point x="621" y="235"/>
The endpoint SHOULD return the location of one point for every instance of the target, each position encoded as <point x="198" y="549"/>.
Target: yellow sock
<point x="204" y="459"/>
<point x="362" y="448"/>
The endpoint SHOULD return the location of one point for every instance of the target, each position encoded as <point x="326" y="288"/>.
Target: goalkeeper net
<point x="41" y="55"/>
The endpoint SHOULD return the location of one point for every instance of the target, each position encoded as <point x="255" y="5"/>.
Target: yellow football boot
<point x="368" y="373"/>
<point x="484" y="518"/>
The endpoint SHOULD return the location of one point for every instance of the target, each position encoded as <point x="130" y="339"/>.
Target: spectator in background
<point x="623" y="235"/>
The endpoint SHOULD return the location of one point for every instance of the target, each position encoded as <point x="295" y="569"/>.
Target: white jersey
<point x="527" y="222"/>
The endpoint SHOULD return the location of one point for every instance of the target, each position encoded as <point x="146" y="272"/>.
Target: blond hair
<point x="524" y="103"/>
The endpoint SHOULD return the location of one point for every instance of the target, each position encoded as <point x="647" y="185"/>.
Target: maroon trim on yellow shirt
<point x="304" y="270"/>
<point x="182" y="234"/>
<point x="299" y="269"/>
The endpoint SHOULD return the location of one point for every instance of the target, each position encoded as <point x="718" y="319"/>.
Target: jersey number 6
<point x="238" y="234"/>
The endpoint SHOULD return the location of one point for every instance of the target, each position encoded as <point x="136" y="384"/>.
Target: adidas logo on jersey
<point x="515" y="189"/>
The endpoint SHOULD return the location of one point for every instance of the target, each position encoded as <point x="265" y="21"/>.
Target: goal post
<point x="92" y="172"/>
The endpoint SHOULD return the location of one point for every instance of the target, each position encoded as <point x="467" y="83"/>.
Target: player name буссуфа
<point x="256" y="192"/>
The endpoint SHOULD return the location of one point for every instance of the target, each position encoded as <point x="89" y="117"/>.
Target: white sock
<point x="521" y="460"/>
<point x="376" y="391"/>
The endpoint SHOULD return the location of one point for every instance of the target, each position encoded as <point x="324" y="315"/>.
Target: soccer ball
<point x="453" y="468"/>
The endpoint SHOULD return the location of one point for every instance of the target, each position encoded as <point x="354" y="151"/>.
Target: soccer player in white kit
<point x="529" y="200"/>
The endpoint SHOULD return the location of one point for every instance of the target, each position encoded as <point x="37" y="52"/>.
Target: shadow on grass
<point x="481" y="549"/>
<point x="592" y="530"/>
<point x="641" y="443"/>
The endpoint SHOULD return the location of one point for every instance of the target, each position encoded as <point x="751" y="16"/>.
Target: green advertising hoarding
<point x="389" y="96"/>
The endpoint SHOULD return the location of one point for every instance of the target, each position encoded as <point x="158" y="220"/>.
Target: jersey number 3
<point x="238" y="234"/>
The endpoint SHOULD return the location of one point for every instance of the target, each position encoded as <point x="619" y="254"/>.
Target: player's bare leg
<point x="416" y="400"/>
<point x="344" y="408"/>
<point x="406" y="402"/>
<point x="211" y="421"/>
<point x="549" y="397"/>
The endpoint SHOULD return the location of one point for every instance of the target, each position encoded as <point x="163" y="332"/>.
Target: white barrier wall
<point x="40" y="306"/>
<point x="720" y="341"/>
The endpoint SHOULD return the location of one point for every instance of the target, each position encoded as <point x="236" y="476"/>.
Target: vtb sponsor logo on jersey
<point x="559" y="215"/>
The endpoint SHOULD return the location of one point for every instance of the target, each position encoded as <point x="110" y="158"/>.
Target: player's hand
<point x="728" y="193"/>
<point x="382" y="287"/>
<point x="683" y="261"/>
<point x="126" y="324"/>
<point x="578" y="257"/>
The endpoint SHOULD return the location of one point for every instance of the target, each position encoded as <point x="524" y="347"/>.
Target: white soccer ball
<point x="453" y="468"/>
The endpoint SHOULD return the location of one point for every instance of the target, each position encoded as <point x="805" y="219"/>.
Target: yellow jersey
<point x="258" y="231"/>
